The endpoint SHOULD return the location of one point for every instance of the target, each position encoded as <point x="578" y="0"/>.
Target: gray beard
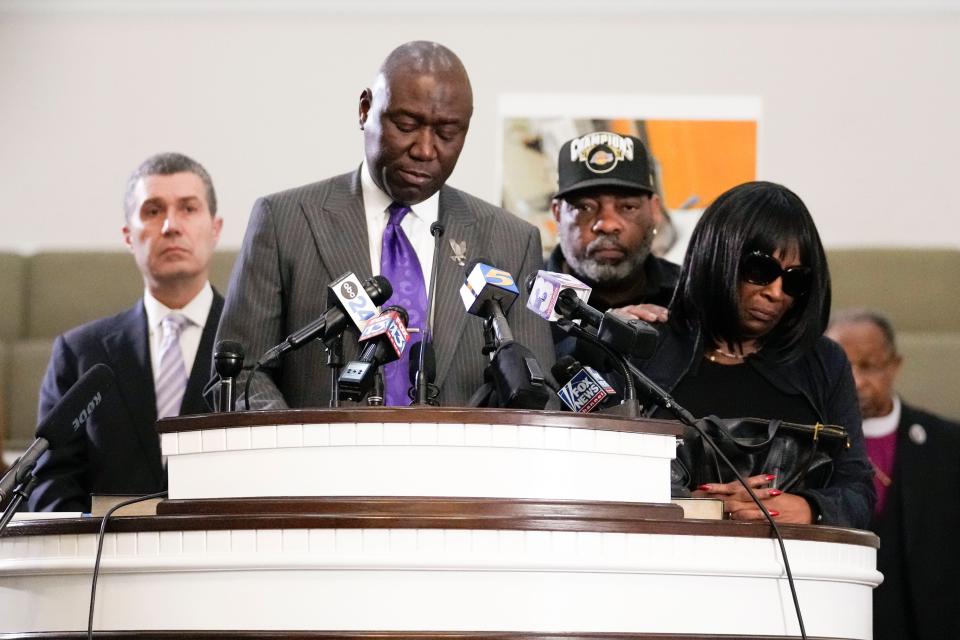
<point x="603" y="272"/>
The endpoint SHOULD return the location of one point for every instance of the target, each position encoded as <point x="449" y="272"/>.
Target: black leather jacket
<point x="822" y="376"/>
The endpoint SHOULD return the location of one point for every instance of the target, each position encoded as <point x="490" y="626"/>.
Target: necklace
<point x="717" y="351"/>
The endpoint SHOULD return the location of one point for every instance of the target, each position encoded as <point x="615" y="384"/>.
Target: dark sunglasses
<point x="759" y="268"/>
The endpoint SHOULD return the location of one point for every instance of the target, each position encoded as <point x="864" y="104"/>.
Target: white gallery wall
<point x="860" y="99"/>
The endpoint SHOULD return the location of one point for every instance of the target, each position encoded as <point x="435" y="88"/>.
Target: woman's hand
<point x="645" y="312"/>
<point x="785" y="507"/>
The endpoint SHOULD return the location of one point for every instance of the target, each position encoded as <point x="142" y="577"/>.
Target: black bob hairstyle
<point x="755" y="216"/>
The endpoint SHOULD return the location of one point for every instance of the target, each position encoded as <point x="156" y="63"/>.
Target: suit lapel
<point x="909" y="469"/>
<point x="449" y="315"/>
<point x="193" y="400"/>
<point x="339" y="227"/>
<point x="129" y="351"/>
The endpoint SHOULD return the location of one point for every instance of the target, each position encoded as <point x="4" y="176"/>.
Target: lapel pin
<point x="459" y="252"/>
<point x="918" y="435"/>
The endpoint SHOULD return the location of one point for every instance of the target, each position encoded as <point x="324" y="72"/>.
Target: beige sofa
<point x="917" y="290"/>
<point x="48" y="293"/>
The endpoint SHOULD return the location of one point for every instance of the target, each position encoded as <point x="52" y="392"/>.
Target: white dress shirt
<point x="196" y="312"/>
<point x="883" y="425"/>
<point x="415" y="224"/>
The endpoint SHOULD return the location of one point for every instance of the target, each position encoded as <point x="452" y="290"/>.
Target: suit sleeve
<point x="61" y="471"/>
<point x="254" y="310"/>
<point x="849" y="498"/>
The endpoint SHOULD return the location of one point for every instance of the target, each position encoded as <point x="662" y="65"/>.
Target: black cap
<point x="604" y="159"/>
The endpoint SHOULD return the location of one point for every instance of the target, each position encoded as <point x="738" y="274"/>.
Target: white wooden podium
<point x="429" y="523"/>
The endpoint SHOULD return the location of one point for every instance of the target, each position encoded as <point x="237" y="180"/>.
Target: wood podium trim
<point x="384" y="635"/>
<point x="433" y="513"/>
<point x="419" y="415"/>
<point x="473" y="510"/>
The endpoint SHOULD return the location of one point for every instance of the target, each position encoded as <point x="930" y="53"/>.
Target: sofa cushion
<point x="915" y="288"/>
<point x="69" y="288"/>
<point x="13" y="287"/>
<point x="26" y="362"/>
<point x="930" y="371"/>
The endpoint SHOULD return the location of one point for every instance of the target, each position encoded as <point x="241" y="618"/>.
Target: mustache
<point x="601" y="243"/>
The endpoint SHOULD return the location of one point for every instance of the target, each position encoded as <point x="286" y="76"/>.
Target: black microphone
<point x="518" y="378"/>
<point x="489" y="292"/>
<point x="383" y="341"/>
<point x="70" y="414"/>
<point x="228" y="362"/>
<point x="582" y="388"/>
<point x="555" y="295"/>
<point x="423" y="365"/>
<point x="421" y="383"/>
<point x="354" y="305"/>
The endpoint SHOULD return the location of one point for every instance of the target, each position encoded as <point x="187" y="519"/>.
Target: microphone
<point x="420" y="381"/>
<point x="70" y="414"/>
<point x="228" y="362"/>
<point x="353" y="304"/>
<point x="583" y="389"/>
<point x="555" y="296"/>
<point x="518" y="379"/>
<point x="383" y="341"/>
<point x="489" y="293"/>
<point x="423" y="370"/>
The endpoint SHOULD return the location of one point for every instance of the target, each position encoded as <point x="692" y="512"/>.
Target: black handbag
<point x="800" y="455"/>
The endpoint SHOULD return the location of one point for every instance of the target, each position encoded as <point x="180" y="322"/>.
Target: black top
<point x="821" y="378"/>
<point x="727" y="391"/>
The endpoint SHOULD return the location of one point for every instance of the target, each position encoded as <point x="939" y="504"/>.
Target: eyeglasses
<point x="760" y="268"/>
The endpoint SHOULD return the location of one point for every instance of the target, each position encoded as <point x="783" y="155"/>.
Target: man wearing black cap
<point x="607" y="212"/>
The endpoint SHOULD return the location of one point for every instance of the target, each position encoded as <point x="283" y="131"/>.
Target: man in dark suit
<point x="916" y="459"/>
<point x="414" y="120"/>
<point x="160" y="349"/>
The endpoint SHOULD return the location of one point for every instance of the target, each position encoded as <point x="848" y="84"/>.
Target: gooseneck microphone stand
<point x="421" y="395"/>
<point x="664" y="400"/>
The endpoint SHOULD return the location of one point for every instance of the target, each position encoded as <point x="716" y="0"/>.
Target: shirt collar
<point x="196" y="311"/>
<point x="883" y="425"/>
<point x="376" y="199"/>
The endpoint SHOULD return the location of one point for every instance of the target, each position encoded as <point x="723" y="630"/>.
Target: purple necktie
<point x="400" y="265"/>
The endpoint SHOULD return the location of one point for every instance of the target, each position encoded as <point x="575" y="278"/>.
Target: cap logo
<point x="601" y="152"/>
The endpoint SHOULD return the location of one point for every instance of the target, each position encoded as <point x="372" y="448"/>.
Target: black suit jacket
<point x="919" y="528"/>
<point x="119" y="451"/>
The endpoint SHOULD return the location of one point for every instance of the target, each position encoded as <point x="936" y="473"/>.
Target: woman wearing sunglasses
<point x="744" y="339"/>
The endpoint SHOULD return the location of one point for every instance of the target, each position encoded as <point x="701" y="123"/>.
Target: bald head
<point x="415" y="119"/>
<point x="868" y="339"/>
<point x="424" y="57"/>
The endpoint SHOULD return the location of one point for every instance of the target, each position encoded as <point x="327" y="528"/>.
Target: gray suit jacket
<point x="297" y="241"/>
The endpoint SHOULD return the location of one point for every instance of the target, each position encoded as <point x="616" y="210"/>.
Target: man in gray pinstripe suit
<point x="414" y="121"/>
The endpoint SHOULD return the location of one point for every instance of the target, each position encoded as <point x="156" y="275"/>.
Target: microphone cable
<point x="100" y="536"/>
<point x="663" y="399"/>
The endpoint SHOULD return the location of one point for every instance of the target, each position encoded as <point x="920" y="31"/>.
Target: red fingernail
<point x="774" y="513"/>
<point x="703" y="487"/>
<point x="775" y="492"/>
<point x="770" y="477"/>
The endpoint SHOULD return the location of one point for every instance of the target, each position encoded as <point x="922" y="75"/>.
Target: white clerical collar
<point x="882" y="426"/>
<point x="196" y="311"/>
<point x="376" y="199"/>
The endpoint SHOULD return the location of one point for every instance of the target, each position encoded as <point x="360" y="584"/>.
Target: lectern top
<point x="420" y="415"/>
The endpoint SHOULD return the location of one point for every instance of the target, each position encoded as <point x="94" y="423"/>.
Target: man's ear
<point x="656" y="207"/>
<point x="555" y="208"/>
<point x="126" y="237"/>
<point x="366" y="99"/>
